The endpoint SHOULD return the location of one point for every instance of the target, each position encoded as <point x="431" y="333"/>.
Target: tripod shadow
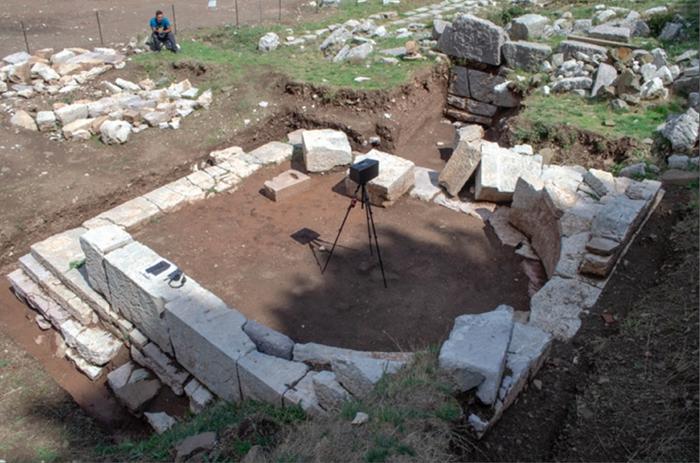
<point x="318" y="246"/>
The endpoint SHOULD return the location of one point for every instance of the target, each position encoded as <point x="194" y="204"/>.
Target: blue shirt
<point x="165" y="24"/>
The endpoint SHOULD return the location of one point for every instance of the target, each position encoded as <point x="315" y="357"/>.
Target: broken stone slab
<point x="91" y="371"/>
<point x="166" y="199"/>
<point x="557" y="306"/>
<point x="596" y="184"/>
<point x="528" y="26"/>
<point x="189" y="191"/>
<point x="93" y="344"/>
<point x="269" y="341"/>
<point x="573" y="248"/>
<point x="474" y="39"/>
<point x="618" y="218"/>
<point x="609" y="32"/>
<point x="320" y="355"/>
<point x="30" y="293"/>
<point x="525" y="55"/>
<point x="134" y="387"/>
<point x="131" y="213"/>
<point x="23" y="120"/>
<point x="69" y="113"/>
<point x="60" y="252"/>
<point x="331" y="395"/>
<point x="115" y="132"/>
<point x="605" y="77"/>
<point x="461" y="165"/>
<point x="95" y="244"/>
<point x="507" y="234"/>
<point x="396" y="177"/>
<point x="242" y="165"/>
<point x="682" y="130"/>
<point x="225" y="154"/>
<point x="303" y="394"/>
<point x="17" y="57"/>
<point x="474" y="355"/>
<point x="208" y="340"/>
<point x="569" y="84"/>
<point x="267" y="378"/>
<point x="160" y="421"/>
<point x="359" y="374"/>
<point x="325" y="149"/>
<point x="646" y="189"/>
<point x="425" y="185"/>
<point x="167" y="370"/>
<point x="273" y="153"/>
<point x="500" y="170"/>
<point x="481" y="210"/>
<point x="46" y="121"/>
<point x="139" y="296"/>
<point x="570" y="47"/>
<point x="199" y="395"/>
<point x="286" y="184"/>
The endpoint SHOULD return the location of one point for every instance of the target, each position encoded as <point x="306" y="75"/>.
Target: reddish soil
<point x="439" y="264"/>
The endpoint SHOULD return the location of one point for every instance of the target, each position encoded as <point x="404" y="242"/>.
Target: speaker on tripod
<point x="361" y="173"/>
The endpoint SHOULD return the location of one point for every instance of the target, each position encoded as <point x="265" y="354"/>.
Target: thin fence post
<point x="236" y="3"/>
<point x="99" y="27"/>
<point x="24" y="32"/>
<point x="172" y="5"/>
<point x="279" y="9"/>
<point x="260" y="11"/>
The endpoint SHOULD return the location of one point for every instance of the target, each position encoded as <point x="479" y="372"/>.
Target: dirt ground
<point x="73" y="23"/>
<point x="439" y="264"/>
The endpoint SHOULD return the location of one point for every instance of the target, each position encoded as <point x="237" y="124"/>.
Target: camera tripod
<point x="371" y="229"/>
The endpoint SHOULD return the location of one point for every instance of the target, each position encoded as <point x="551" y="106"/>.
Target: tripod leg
<point x="340" y="230"/>
<point x="365" y="203"/>
<point x="376" y="242"/>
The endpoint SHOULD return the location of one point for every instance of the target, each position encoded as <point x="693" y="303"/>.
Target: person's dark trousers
<point x="164" y="39"/>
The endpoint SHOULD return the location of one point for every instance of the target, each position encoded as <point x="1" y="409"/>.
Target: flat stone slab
<point x="167" y="370"/>
<point x="325" y="149"/>
<point x="133" y="386"/>
<point x="208" y="340"/>
<point x="395" y="178"/>
<point x="475" y="353"/>
<point x="461" y="166"/>
<point x="618" y="218"/>
<point x="267" y="378"/>
<point x="131" y="213"/>
<point x="60" y="252"/>
<point x="321" y="355"/>
<point x="273" y="153"/>
<point x="359" y="374"/>
<point x="286" y="184"/>
<point x="500" y="170"/>
<point x="525" y="55"/>
<point x="166" y="199"/>
<point x="30" y="292"/>
<point x="425" y="184"/>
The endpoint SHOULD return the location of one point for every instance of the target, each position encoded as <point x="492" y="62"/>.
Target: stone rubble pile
<point x="128" y="108"/>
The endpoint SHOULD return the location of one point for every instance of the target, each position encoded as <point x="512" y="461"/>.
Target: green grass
<point x="541" y="112"/>
<point x="218" y="418"/>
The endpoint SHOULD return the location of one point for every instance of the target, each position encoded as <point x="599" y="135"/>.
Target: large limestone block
<point x="461" y="166"/>
<point x="208" y="340"/>
<point x="96" y="243"/>
<point x="500" y="170"/>
<point x="267" y="378"/>
<point x="474" y="39"/>
<point x="325" y="149"/>
<point x="141" y="296"/>
<point x="557" y="306"/>
<point x="359" y="374"/>
<point x="475" y="353"/>
<point x="528" y="26"/>
<point x="396" y="177"/>
<point x="525" y="55"/>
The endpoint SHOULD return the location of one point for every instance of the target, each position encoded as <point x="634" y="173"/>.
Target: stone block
<point x="303" y="395"/>
<point x="500" y="170"/>
<point x="596" y="265"/>
<point x="269" y="341"/>
<point x="474" y="39"/>
<point x="472" y="106"/>
<point x="331" y="395"/>
<point x="465" y="116"/>
<point x="425" y="185"/>
<point x="474" y="355"/>
<point x="525" y="55"/>
<point x="166" y="199"/>
<point x="482" y="84"/>
<point x="91" y="371"/>
<point x="208" y="340"/>
<point x="570" y="47"/>
<point x="93" y="344"/>
<point x="359" y="374"/>
<point x="557" y="306"/>
<point x="131" y="213"/>
<point x="618" y="218"/>
<point x="30" y="293"/>
<point x="60" y="252"/>
<point x="507" y="234"/>
<point x="167" y="370"/>
<point x="321" y="355"/>
<point x="461" y="166"/>
<point x="396" y="177"/>
<point x="141" y="296"/>
<point x="160" y="421"/>
<point x="187" y="189"/>
<point x="325" y="149"/>
<point x="199" y="395"/>
<point x="242" y="165"/>
<point x="528" y="26"/>
<point x="273" y="153"/>
<point x="267" y="378"/>
<point x="609" y="32"/>
<point x="95" y="244"/>
<point x="132" y="386"/>
<point x="459" y="81"/>
<point x="69" y="113"/>
<point x="286" y="184"/>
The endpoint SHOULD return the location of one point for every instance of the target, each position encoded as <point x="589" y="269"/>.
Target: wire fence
<point x="31" y="31"/>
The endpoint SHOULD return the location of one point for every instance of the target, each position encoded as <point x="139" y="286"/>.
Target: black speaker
<point x="364" y="171"/>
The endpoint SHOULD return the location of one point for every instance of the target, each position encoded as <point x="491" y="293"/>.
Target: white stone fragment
<point x="325" y="149"/>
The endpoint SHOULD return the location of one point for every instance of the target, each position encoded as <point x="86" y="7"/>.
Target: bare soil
<point x="439" y="264"/>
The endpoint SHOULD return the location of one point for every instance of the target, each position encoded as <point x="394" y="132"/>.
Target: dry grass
<point x="412" y="417"/>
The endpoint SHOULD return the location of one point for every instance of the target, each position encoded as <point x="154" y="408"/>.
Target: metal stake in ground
<point x="24" y="32"/>
<point x="174" y="19"/>
<point x="99" y="27"/>
<point x="236" y="4"/>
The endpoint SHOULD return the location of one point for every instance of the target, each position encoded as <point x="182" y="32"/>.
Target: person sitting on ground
<point x="162" y="33"/>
